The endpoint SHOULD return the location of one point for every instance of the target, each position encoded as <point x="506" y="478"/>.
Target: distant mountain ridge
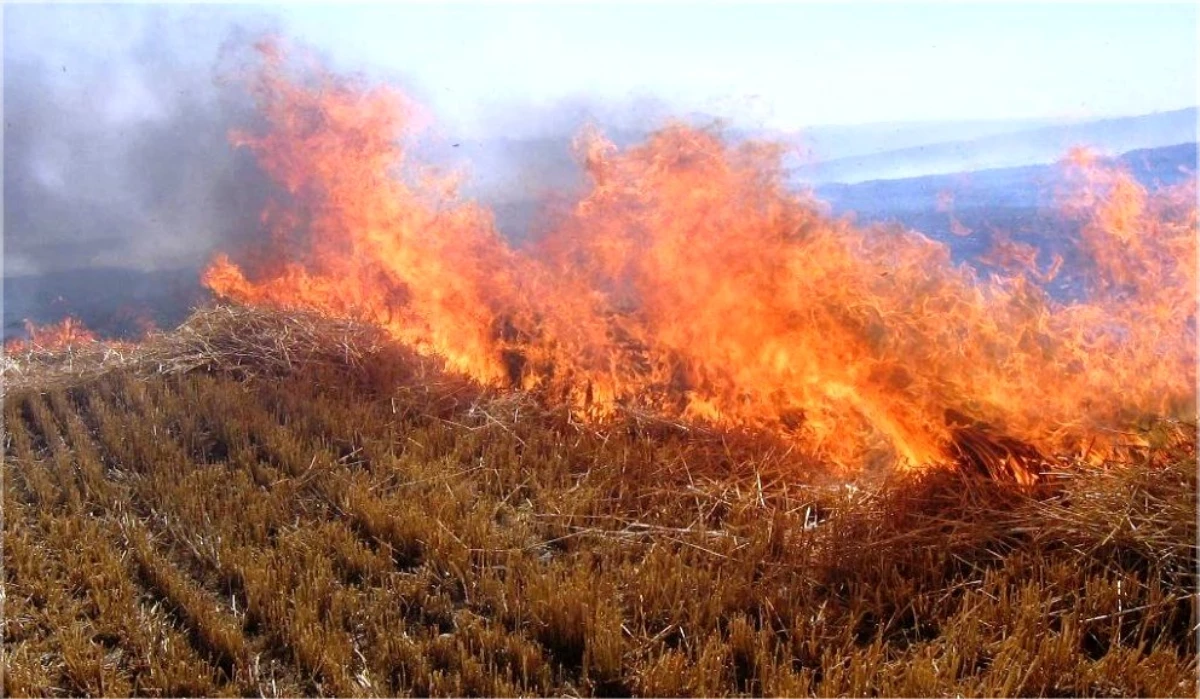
<point x="967" y="210"/>
<point x="836" y="141"/>
<point x="1023" y="186"/>
<point x="1043" y="144"/>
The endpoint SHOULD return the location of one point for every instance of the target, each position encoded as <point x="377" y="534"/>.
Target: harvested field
<point x="274" y="518"/>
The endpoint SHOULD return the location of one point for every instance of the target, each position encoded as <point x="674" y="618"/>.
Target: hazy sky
<point x="780" y="65"/>
<point x="785" y="65"/>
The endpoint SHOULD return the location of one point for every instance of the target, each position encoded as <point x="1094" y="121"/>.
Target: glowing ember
<point x="690" y="280"/>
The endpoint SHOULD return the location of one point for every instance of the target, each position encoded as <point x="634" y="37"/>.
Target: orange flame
<point x="688" y="279"/>
<point x="52" y="337"/>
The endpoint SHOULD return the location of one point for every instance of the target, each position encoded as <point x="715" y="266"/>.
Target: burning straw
<point x="691" y="282"/>
<point x="249" y="341"/>
<point x="240" y="339"/>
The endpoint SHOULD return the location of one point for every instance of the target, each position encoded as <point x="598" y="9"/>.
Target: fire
<point x="690" y="280"/>
<point x="52" y="337"/>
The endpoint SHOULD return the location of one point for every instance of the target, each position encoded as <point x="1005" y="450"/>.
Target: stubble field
<point x="379" y="528"/>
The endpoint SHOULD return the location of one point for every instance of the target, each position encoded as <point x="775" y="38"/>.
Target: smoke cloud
<point x="117" y="150"/>
<point x="116" y="137"/>
<point x="121" y="180"/>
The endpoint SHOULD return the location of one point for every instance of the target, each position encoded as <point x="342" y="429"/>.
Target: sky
<point x="779" y="65"/>
<point x="784" y="65"/>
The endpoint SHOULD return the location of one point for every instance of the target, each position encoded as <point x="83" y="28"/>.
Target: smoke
<point x="121" y="181"/>
<point x="519" y="157"/>
<point x="116" y="137"/>
<point x="117" y="150"/>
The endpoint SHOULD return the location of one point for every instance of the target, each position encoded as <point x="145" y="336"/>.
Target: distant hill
<point x="1044" y="144"/>
<point x="1017" y="202"/>
<point x="830" y="142"/>
<point x="1028" y="185"/>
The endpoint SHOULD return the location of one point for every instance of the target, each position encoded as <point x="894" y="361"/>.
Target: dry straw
<point x="294" y="506"/>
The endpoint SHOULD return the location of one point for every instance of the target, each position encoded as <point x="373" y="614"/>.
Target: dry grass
<point x="234" y="339"/>
<point x="279" y="505"/>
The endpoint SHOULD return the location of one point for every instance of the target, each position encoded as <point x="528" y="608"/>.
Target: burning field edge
<point x="250" y="341"/>
<point x="276" y="503"/>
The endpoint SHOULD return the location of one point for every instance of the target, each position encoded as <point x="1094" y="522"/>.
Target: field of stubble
<point x="380" y="530"/>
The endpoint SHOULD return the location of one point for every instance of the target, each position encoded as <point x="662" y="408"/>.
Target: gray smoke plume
<point x="121" y="181"/>
<point x="116" y="137"/>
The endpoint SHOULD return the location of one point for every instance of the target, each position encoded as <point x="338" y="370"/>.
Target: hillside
<point x="225" y="510"/>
